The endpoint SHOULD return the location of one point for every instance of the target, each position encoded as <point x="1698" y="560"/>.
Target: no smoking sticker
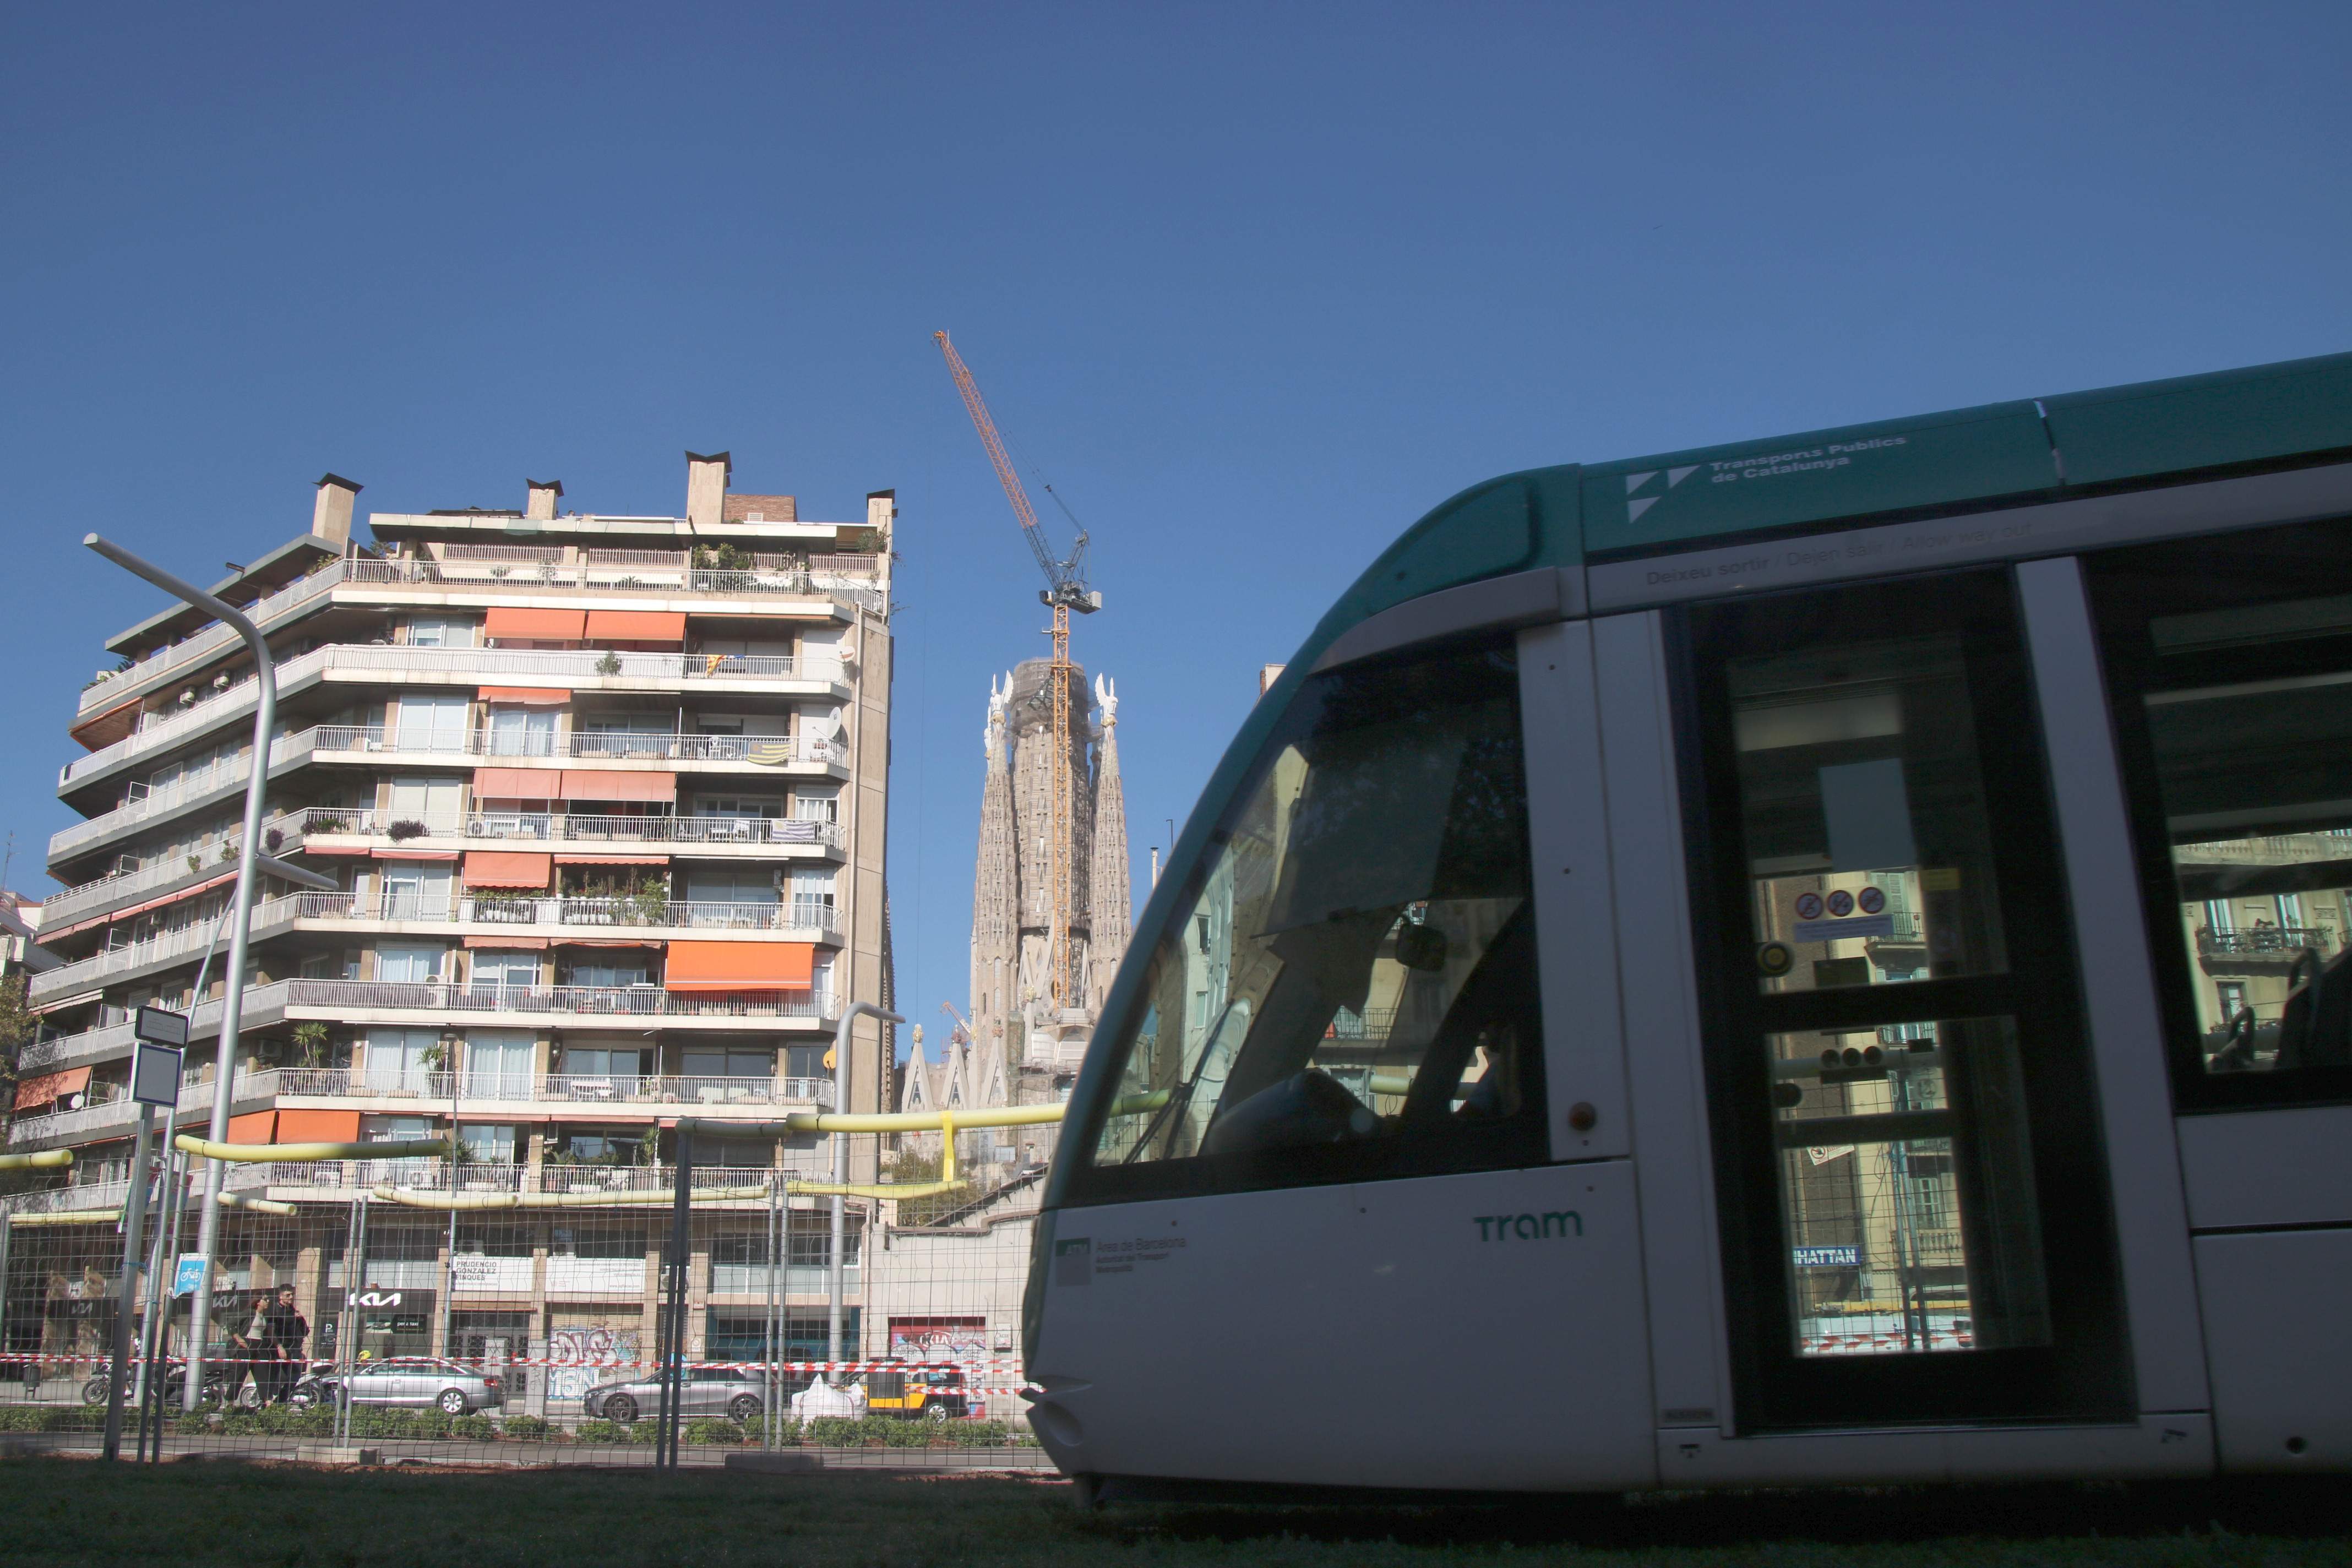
<point x="1869" y="900"/>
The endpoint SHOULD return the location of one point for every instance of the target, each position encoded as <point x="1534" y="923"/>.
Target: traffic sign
<point x="161" y="1027"/>
<point x="156" y="1075"/>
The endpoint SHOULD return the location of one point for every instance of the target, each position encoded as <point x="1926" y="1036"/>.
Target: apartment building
<point x="605" y="798"/>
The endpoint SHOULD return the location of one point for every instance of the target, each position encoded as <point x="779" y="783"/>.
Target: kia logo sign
<point x="377" y="1299"/>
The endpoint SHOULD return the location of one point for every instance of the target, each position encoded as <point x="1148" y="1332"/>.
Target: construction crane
<point x="1065" y="590"/>
<point x="963" y="1031"/>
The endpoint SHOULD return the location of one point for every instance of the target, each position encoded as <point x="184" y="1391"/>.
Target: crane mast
<point x="1065" y="590"/>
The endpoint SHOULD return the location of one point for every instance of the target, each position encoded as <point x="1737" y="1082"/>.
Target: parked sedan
<point x="418" y="1380"/>
<point x="735" y="1392"/>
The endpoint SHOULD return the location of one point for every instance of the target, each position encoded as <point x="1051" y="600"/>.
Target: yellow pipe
<point x="71" y="1216"/>
<point x="47" y="1160"/>
<point x="308" y="1153"/>
<point x="931" y="1121"/>
<point x="415" y="1198"/>
<point x="258" y="1205"/>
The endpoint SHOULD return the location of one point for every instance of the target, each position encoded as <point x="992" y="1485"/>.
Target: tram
<point x="1814" y="961"/>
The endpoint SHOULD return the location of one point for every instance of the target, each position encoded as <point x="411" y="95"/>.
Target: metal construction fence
<point x="586" y="1312"/>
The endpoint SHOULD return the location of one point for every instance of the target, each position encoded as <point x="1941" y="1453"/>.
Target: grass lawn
<point x="270" y="1516"/>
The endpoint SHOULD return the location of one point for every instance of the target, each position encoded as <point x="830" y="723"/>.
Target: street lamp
<point x="265" y="719"/>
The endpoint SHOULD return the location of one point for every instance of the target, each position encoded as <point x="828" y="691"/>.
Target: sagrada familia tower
<point x="1021" y="1048"/>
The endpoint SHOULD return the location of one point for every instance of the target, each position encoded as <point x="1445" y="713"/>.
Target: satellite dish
<point x="828" y="1062"/>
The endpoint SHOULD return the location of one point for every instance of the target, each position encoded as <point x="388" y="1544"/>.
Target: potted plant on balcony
<point x="311" y="1045"/>
<point x="402" y="831"/>
<point x="610" y="664"/>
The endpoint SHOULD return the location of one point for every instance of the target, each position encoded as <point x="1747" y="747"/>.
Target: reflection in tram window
<point x="1353" y="991"/>
<point x="2251" y="731"/>
<point x="1906" y="1196"/>
<point x="1864" y="816"/>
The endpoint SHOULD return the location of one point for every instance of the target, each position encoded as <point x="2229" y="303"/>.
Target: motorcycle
<point x="175" y="1382"/>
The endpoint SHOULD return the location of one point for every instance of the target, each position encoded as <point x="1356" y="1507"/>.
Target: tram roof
<point x="2038" y="449"/>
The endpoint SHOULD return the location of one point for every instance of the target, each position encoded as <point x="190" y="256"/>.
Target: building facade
<point x="605" y="798"/>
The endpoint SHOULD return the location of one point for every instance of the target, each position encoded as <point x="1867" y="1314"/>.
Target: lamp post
<point x="265" y="719"/>
<point x="849" y="1016"/>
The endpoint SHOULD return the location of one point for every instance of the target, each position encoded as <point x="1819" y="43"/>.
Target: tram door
<point x="1915" y="1211"/>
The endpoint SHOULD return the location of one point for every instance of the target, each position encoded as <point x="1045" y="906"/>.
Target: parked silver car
<point x="450" y="1386"/>
<point x="707" y="1390"/>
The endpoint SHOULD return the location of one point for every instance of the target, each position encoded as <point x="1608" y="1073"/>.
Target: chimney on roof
<point x="331" y="514"/>
<point x="706" y="488"/>
<point x="544" y="493"/>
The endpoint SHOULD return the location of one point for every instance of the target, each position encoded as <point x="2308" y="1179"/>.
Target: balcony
<point x="849" y="578"/>
<point x="221" y="783"/>
<point x="670" y="573"/>
<point x="591" y="1090"/>
<point x="263" y="1004"/>
<point x="552" y="915"/>
<point x="557" y="1005"/>
<point x="2264" y="944"/>
<point x="294" y="829"/>
<point x="461" y="666"/>
<point x="211" y="642"/>
<point x="268" y="918"/>
<point x="597" y="746"/>
<point x="103" y="893"/>
<point x="119" y="1110"/>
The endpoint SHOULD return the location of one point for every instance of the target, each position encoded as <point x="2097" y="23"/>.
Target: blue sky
<point x="1255" y="286"/>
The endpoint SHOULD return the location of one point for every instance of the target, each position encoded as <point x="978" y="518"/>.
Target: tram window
<point x="1910" y="1181"/>
<point x="1909" y="1228"/>
<point x="2248" y="734"/>
<point x="1864" y="817"/>
<point x="1352" y="993"/>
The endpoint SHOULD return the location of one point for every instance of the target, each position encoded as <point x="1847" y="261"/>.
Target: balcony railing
<point x="116" y="1108"/>
<point x="581" y="1001"/>
<point x="105" y="892"/>
<point x="2266" y="942"/>
<point x="538" y="666"/>
<point x="557" y="910"/>
<point x="263" y="1004"/>
<point x="581" y="827"/>
<point x="219" y="780"/>
<point x="671" y="576"/>
<point x="213" y="640"/>
<point x="576" y="1088"/>
<point x="170" y="947"/>
<point x="592" y="745"/>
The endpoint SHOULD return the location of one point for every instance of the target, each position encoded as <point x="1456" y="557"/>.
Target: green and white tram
<point x="1818" y="960"/>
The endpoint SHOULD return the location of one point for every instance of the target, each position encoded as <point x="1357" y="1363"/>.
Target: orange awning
<point x="535" y="626"/>
<point x="563" y="858"/>
<point x="253" y="1127"/>
<point x="636" y="625"/>
<point x="517" y="784"/>
<point x="506" y="868"/>
<point x="515" y="944"/>
<point x="526" y="696"/>
<point x="589" y="941"/>
<point x="739" y="966"/>
<point x="400" y="852"/>
<point x="48" y="1087"/>
<point x="316" y="1127"/>
<point x="581" y="785"/>
<point x="109" y="725"/>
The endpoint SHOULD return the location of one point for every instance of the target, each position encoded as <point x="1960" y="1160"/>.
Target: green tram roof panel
<point x="1859" y="471"/>
<point x="2198" y="421"/>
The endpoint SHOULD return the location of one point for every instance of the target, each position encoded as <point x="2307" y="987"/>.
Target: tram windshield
<point x="1351" y="990"/>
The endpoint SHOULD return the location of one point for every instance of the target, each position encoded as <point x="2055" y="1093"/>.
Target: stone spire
<point x="1113" y="911"/>
<point x="995" y="922"/>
